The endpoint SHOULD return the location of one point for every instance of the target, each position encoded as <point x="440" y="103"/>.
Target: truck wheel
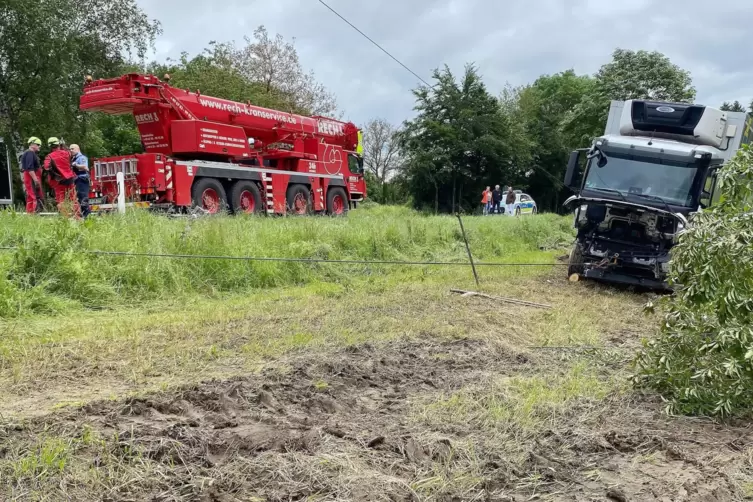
<point x="299" y="199"/>
<point x="245" y="197"/>
<point x="575" y="265"/>
<point x="337" y="202"/>
<point x="209" y="194"/>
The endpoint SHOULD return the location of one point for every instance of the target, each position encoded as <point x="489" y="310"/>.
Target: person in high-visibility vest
<point x="32" y="176"/>
<point x="61" y="176"/>
<point x="359" y="147"/>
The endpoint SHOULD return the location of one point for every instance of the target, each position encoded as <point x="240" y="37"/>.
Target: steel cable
<point x="130" y="254"/>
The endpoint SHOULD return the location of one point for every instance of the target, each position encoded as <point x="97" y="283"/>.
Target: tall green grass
<point x="50" y="271"/>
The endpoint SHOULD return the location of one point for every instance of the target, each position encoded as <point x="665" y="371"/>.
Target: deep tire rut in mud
<point x="342" y="426"/>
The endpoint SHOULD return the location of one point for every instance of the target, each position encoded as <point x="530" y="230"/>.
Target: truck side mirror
<point x="572" y="168"/>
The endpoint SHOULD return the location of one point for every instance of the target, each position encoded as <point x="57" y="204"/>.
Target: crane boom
<point x="169" y="119"/>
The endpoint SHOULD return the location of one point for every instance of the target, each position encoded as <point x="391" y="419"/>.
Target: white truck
<point x="655" y="165"/>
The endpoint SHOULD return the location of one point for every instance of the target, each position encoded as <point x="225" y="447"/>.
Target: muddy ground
<point x="357" y="425"/>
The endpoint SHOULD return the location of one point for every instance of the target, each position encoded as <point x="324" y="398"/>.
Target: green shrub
<point x="702" y="360"/>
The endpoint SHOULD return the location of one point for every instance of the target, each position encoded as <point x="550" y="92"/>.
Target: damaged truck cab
<point x="656" y="165"/>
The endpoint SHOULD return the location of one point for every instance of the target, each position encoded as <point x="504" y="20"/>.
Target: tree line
<point x="462" y="137"/>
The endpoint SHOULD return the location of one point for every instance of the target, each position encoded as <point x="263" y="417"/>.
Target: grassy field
<point x="51" y="273"/>
<point x="144" y="378"/>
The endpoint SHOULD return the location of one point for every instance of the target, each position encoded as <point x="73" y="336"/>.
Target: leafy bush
<point x="702" y="359"/>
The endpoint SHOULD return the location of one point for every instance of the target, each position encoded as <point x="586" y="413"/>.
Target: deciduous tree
<point x="47" y="48"/>
<point x="274" y="63"/>
<point x="215" y="72"/>
<point x="630" y="75"/>
<point x="735" y="106"/>
<point x="457" y="144"/>
<point x="265" y="71"/>
<point x="542" y="107"/>
<point x="381" y="153"/>
<point x="644" y="75"/>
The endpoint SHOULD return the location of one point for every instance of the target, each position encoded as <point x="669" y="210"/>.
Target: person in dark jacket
<point x="32" y="176"/>
<point x="510" y="201"/>
<point x="496" y="199"/>
<point x="80" y="165"/>
<point x="61" y="176"/>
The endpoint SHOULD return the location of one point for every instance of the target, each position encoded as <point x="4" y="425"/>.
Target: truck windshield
<point x="673" y="182"/>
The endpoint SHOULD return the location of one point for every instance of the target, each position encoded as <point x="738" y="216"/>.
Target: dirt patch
<point x="635" y="453"/>
<point x="340" y="426"/>
<point x="290" y="433"/>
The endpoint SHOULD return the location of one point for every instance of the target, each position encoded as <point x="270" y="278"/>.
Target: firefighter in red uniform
<point x="32" y="176"/>
<point x="61" y="176"/>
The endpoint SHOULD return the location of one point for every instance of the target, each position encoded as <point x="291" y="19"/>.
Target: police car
<point x="524" y="204"/>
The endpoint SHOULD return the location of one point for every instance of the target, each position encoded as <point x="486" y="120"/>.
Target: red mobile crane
<point x="213" y="153"/>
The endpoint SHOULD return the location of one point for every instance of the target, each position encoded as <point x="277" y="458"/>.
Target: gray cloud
<point x="511" y="41"/>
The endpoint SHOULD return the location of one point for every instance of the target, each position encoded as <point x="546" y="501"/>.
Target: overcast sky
<point x="511" y="41"/>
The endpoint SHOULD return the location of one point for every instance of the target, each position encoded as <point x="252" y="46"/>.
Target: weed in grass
<point x="68" y="404"/>
<point x="47" y="459"/>
<point x="747" y="490"/>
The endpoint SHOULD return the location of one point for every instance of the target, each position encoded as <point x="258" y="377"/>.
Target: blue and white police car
<point x="524" y="204"/>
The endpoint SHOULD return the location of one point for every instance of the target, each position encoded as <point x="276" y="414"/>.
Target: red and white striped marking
<point x="321" y="197"/>
<point x="268" y="190"/>
<point x="168" y="177"/>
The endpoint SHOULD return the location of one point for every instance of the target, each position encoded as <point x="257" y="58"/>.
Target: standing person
<point x="486" y="200"/>
<point x="32" y="174"/>
<point x="60" y="175"/>
<point x="80" y="165"/>
<point x="496" y="199"/>
<point x="510" y="201"/>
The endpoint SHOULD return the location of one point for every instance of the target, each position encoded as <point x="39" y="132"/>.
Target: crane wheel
<point x="337" y="202"/>
<point x="245" y="198"/>
<point x="209" y="194"/>
<point x="299" y="199"/>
